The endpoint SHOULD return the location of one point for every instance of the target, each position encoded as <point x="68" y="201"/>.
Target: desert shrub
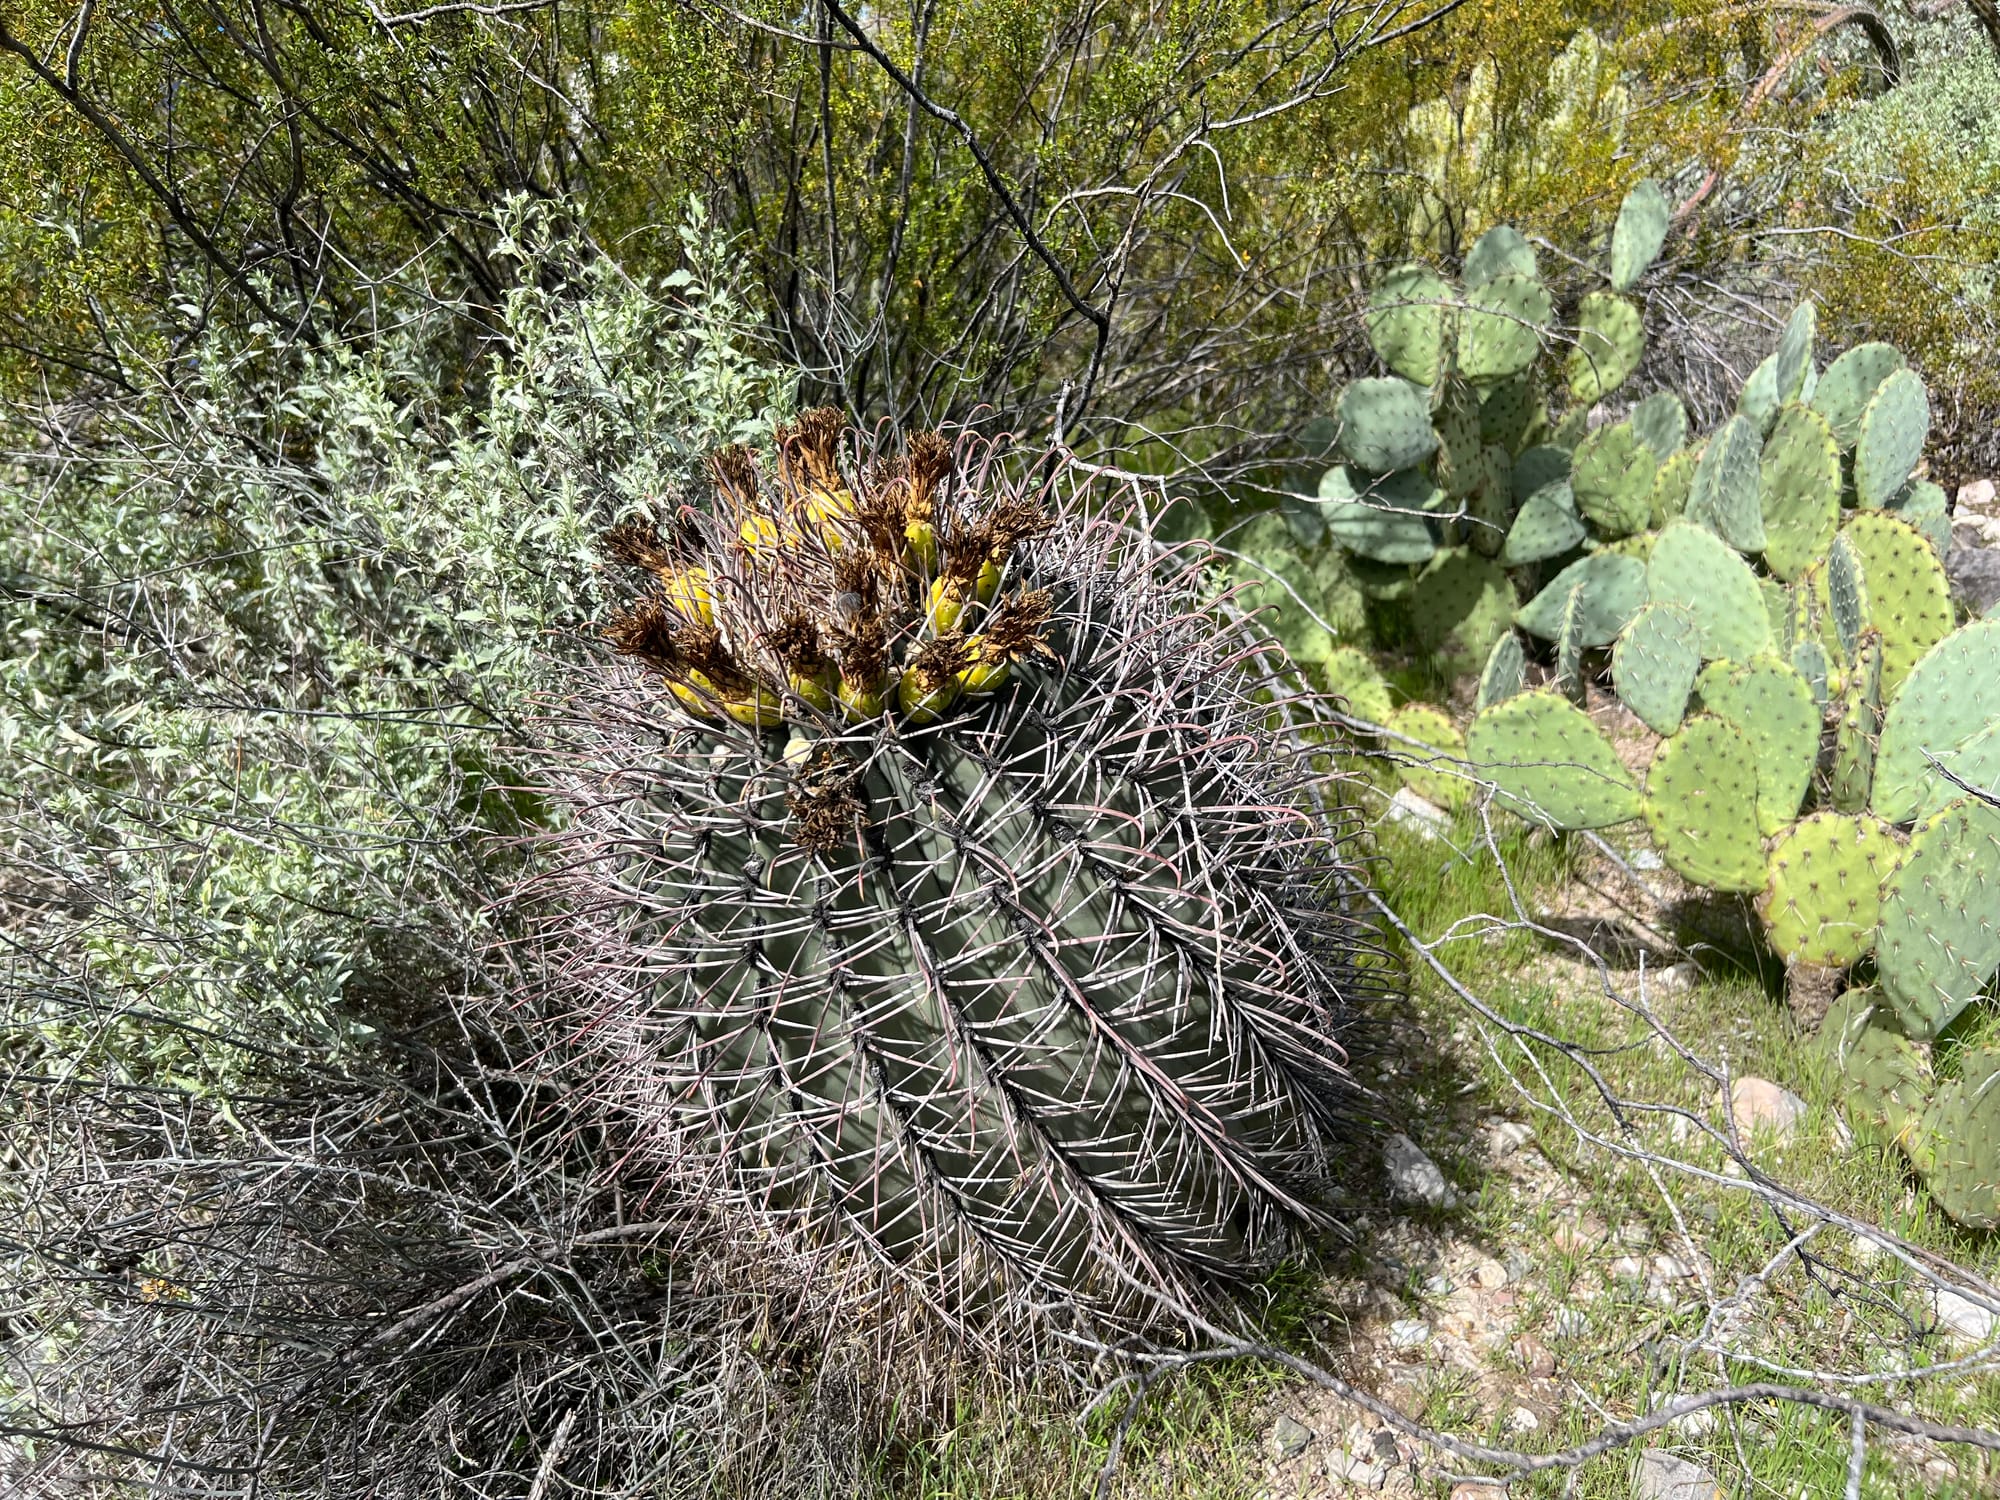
<point x="273" y="632"/>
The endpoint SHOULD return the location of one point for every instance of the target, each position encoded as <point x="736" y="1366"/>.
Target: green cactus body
<point x="1949" y="697"/>
<point x="1695" y="569"/>
<point x="1727" y="480"/>
<point x="1500" y="326"/>
<point x="1890" y="439"/>
<point x="1925" y="506"/>
<point x="1808" y="659"/>
<point x="1887" y="1077"/>
<point x="1455" y="419"/>
<point x="1511" y="414"/>
<point x="1612" y="588"/>
<point x="1538" y="467"/>
<point x="1771" y="706"/>
<point x="1908" y="598"/>
<point x="1757" y="403"/>
<point x="1501" y="251"/>
<point x="1546" y="526"/>
<point x="1701" y="806"/>
<point x="1384" y="518"/>
<point x="1672" y="485"/>
<point x="1548" y="762"/>
<point x="1408" y="319"/>
<point x="1385" y="424"/>
<point x="1661" y="423"/>
<point x="1611" y="479"/>
<point x="1572" y="429"/>
<point x="1858" y="731"/>
<point x="1352" y="677"/>
<point x="1951" y="1142"/>
<point x="1822" y="892"/>
<point x="1792" y="363"/>
<point x="1490" y="508"/>
<point x="1777" y="611"/>
<point x="1038" y="1001"/>
<point x="1505" y="672"/>
<point x="1846" y="596"/>
<point x="1653" y="666"/>
<point x="1800" y="489"/>
<point x="1610" y="342"/>
<point x="1976" y="764"/>
<point x="1640" y="231"/>
<point x="1461" y="604"/>
<point x="1939" y="942"/>
<point x="1429" y="767"/>
<point x="1850" y="383"/>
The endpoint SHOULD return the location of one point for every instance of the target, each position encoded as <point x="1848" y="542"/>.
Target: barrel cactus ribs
<point x="950" y="879"/>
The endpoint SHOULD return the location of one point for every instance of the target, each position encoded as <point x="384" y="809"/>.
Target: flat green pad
<point x="1925" y="506"/>
<point x="1701" y="806"/>
<point x="1891" y="438"/>
<point x="1951" y="1142"/>
<point x="1671" y="487"/>
<point x="1939" y="942"/>
<point x="1662" y="423"/>
<point x="1758" y="403"/>
<point x="1859" y="730"/>
<point x="1949" y="696"/>
<point x="1511" y="414"/>
<point x="1538" y="467"/>
<point x="1500" y="326"/>
<point x="1799" y="480"/>
<point x="1823" y="887"/>
<point x="1462" y="604"/>
<point x="1550" y="764"/>
<point x="1503" y="250"/>
<point x="1887" y="1076"/>
<point x="1610" y="342"/>
<point x="1547" y="526"/>
<point x="1433" y="773"/>
<point x="1640" y="231"/>
<point x="1976" y="763"/>
<point x="1850" y="383"/>
<point x="1908" y="595"/>
<point x="1772" y="707"/>
<point x="1352" y="673"/>
<point x="1385" y="424"/>
<point x="1791" y="365"/>
<point x="1505" y="672"/>
<point x="1614" y="588"/>
<point x="1654" y="664"/>
<point x="1384" y="518"/>
<point x="1408" y="315"/>
<point x="1611" y="478"/>
<point x="1726" y="483"/>
<point x="1489" y="509"/>
<point x="1694" y="568"/>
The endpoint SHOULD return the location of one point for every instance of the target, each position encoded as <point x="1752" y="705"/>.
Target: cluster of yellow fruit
<point x="803" y="593"/>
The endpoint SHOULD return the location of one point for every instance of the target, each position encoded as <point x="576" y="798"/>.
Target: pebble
<point x="1674" y="979"/>
<point x="1634" y="1236"/>
<point x="1438" y="1286"/>
<point x="1421" y="816"/>
<point x="1409" y="1333"/>
<point x="1962" y="1316"/>
<point x="1672" y="1268"/>
<point x="1510" y="1136"/>
<point x="1663" y="1476"/>
<point x="1569" y="1322"/>
<point x="1358" y="1473"/>
<point x="1533" y="1357"/>
<point x="1491" y="1275"/>
<point x="1471" y="1491"/>
<point x="1628" y="1268"/>
<point x="1520" y="1419"/>
<point x="1413" y="1176"/>
<point x="1760" y="1104"/>
<point x="1289" y="1438"/>
<point x="1646" y="859"/>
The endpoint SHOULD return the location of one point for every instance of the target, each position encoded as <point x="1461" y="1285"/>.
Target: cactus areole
<point x="953" y="880"/>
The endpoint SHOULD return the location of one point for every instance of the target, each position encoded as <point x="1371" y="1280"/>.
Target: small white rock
<point x="1760" y="1104"/>
<point x="1413" y="1176"/>
<point x="1510" y="1136"/>
<point x="1409" y="1333"/>
<point x="1674" y="979"/>
<point x="1491" y="1275"/>
<point x="1628" y="1268"/>
<point x="1569" y="1322"/>
<point x="1289" y="1438"/>
<point x="1520" y="1419"/>
<point x="1421" y="816"/>
<point x="1663" y="1476"/>
<point x="1962" y="1316"/>
<point x="1646" y="859"/>
<point x="1356" y="1473"/>
<point x="1672" y="1268"/>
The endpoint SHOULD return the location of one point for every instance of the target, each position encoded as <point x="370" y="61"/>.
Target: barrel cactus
<point x="950" y="876"/>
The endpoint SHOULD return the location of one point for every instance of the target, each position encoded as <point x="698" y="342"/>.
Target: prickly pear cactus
<point x="1549" y="763"/>
<point x="1822" y="892"/>
<point x="949" y="883"/>
<point x="1701" y="799"/>
<point x="1939" y="944"/>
